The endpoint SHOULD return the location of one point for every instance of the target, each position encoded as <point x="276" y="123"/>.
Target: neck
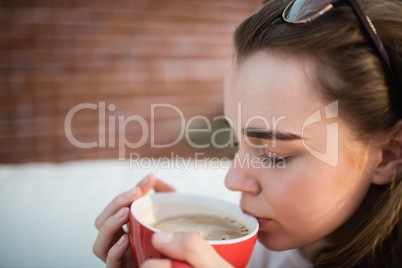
<point x="309" y="250"/>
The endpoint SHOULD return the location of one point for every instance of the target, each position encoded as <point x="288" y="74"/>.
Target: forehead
<point x="271" y="87"/>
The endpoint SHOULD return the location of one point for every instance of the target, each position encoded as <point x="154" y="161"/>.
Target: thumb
<point x="188" y="247"/>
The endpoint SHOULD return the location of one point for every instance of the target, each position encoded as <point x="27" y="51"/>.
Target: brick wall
<point x="120" y="57"/>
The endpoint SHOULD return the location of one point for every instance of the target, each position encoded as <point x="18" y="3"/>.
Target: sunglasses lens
<point x="305" y="10"/>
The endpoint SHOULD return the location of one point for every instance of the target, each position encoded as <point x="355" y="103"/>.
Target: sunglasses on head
<point x="303" y="11"/>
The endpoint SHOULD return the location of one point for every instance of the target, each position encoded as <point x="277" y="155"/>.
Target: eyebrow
<point x="266" y="134"/>
<point x="270" y="135"/>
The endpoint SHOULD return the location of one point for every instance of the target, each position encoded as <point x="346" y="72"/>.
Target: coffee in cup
<point x="208" y="226"/>
<point x="231" y="232"/>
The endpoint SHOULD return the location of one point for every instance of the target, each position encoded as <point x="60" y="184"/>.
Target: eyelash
<point x="264" y="157"/>
<point x="274" y="160"/>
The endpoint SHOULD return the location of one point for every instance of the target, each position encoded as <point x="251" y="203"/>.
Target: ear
<point x="391" y="163"/>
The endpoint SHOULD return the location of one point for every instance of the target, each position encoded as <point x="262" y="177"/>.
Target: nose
<point x="241" y="175"/>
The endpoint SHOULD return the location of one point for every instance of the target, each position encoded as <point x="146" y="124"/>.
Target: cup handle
<point x="180" y="264"/>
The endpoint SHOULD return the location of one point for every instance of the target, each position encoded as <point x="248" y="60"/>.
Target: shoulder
<point x="265" y="258"/>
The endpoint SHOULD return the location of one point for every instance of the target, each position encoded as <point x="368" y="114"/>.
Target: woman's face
<point x="300" y="171"/>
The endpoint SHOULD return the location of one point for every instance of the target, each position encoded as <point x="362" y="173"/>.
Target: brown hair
<point x="347" y="69"/>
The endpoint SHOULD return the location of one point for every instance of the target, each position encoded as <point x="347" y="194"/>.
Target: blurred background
<point x="119" y="56"/>
<point x="87" y="71"/>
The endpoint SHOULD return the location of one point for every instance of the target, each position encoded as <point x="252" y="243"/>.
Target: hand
<point x="188" y="247"/>
<point x="112" y="245"/>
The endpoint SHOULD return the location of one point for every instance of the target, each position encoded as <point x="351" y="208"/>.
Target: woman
<point x="322" y="99"/>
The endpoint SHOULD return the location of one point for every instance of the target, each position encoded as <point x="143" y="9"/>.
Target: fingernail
<point x="132" y="192"/>
<point x="120" y="213"/>
<point x="163" y="238"/>
<point x="121" y="240"/>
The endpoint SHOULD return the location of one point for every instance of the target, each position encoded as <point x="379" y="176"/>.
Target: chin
<point x="274" y="242"/>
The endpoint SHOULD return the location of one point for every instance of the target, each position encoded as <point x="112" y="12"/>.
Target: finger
<point x="188" y="247"/>
<point x="125" y="199"/>
<point x="147" y="183"/>
<point x="122" y="200"/>
<point x="161" y="186"/>
<point x="115" y="255"/>
<point x="109" y="230"/>
<point x="159" y="263"/>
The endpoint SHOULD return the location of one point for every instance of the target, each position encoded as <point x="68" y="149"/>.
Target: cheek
<point x="310" y="203"/>
<point x="299" y="195"/>
<point x="335" y="192"/>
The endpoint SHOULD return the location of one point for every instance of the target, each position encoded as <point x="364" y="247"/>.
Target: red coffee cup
<point x="151" y="208"/>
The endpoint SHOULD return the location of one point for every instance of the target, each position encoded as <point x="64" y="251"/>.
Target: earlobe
<point x="391" y="162"/>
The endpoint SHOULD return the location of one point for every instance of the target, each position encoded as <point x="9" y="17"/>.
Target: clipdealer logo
<point x="146" y="130"/>
<point x="330" y="111"/>
<point x="331" y="154"/>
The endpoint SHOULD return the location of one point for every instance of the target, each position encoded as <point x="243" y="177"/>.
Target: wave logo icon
<point x="331" y="153"/>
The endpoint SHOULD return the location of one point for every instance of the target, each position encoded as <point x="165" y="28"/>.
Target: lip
<point x="261" y="221"/>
